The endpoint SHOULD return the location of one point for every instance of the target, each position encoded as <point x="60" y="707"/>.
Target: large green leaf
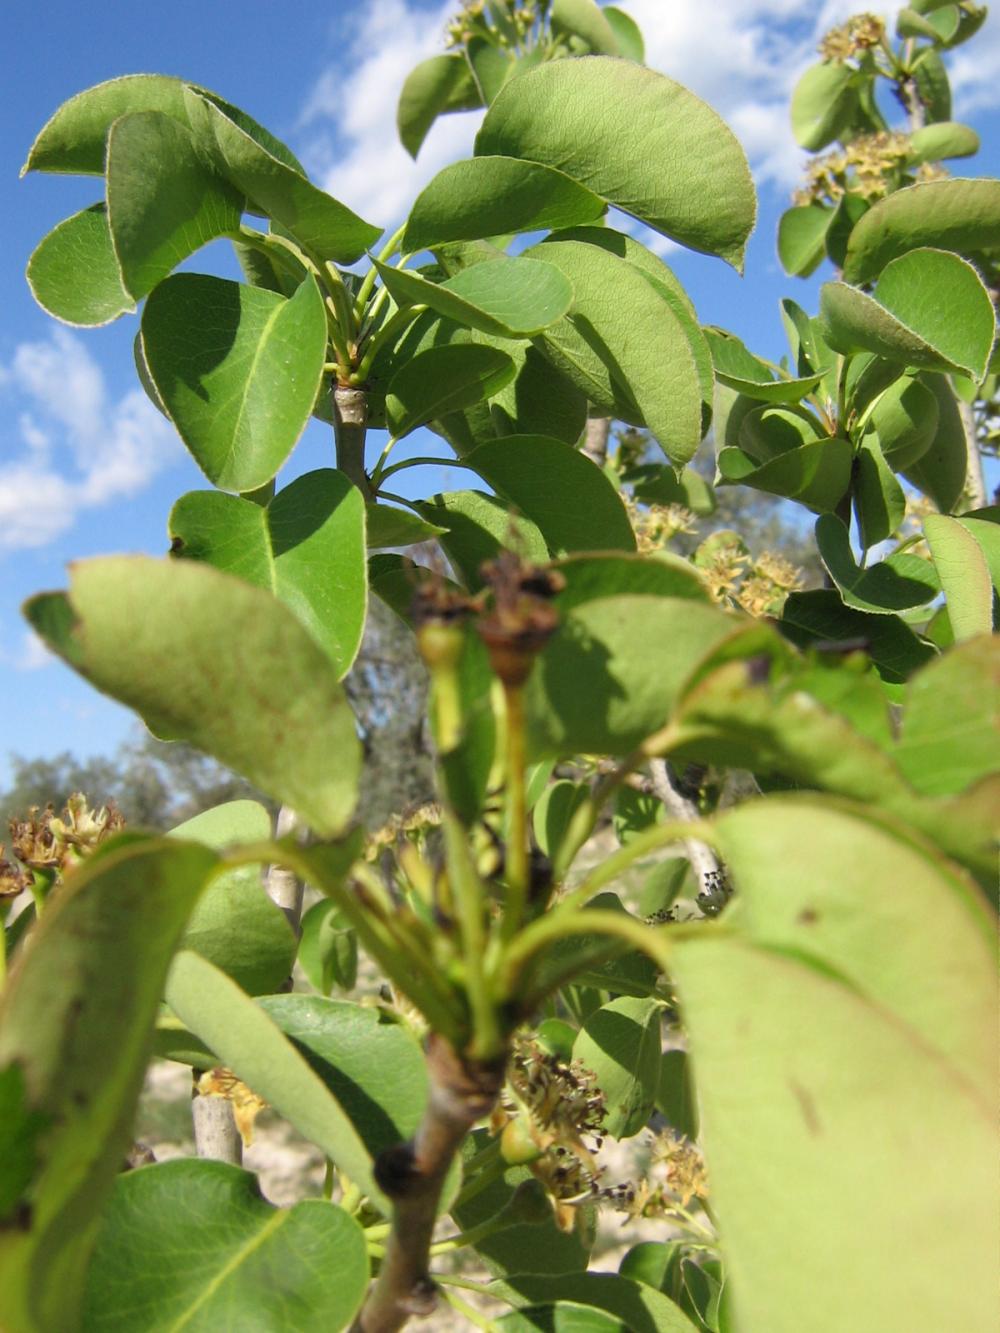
<point x="929" y="309"/>
<point x="249" y="1042"/>
<point x="946" y="139"/>
<point x="489" y="196"/>
<point x="76" y="1019"/>
<point x="307" y="547"/>
<point x="235" y="925"/>
<point x="620" y="1043"/>
<point x="584" y="19"/>
<point x="540" y="400"/>
<point x="802" y="238"/>
<point x="194" y="1245"/>
<point x="941" y="469"/>
<point x="741" y="370"/>
<point x="662" y="575"/>
<point x="74" y="139"/>
<point x="823" y="104"/>
<point x="626" y="345"/>
<point x="554" y="485"/>
<point x="821" y="617"/>
<point x="951" y="723"/>
<point x="609" y="676"/>
<point x="560" y="1317"/>
<point x="321" y="224"/>
<point x="206" y="658"/>
<point x="817" y="474"/>
<point x="893" y="584"/>
<point x="238" y="368"/>
<point x="959" y="215"/>
<point x="73" y="272"/>
<point x="476" y="526"/>
<point x="642" y="1308"/>
<point x="964" y="573"/>
<point x="442" y="380"/>
<point x="509" y="298"/>
<point x="879" y="500"/>
<point x="164" y="201"/>
<point x="846" y="1103"/>
<point x="372" y="1065"/>
<point x="636" y="138"/>
<point x="804" y="872"/>
<point x="431" y="89"/>
<point x="905" y="420"/>
<point x="627" y="33"/>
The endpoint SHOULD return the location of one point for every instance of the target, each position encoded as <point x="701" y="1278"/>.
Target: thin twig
<point x="703" y="860"/>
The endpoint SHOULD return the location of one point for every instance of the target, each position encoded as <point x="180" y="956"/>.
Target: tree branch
<point x="595" y="440"/>
<point x="350" y="424"/>
<point x="215" y="1134"/>
<point x="462" y="1092"/>
<point x="703" y="860"/>
<point x="281" y="884"/>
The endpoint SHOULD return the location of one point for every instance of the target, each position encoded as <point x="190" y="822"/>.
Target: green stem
<point x="660" y="835"/>
<point x="473" y="1316"/>
<point x="470" y="903"/>
<point x="473" y="1236"/>
<point x="389" y="331"/>
<point x="368" y="283"/>
<point x="516" y="870"/>
<point x="424" y="462"/>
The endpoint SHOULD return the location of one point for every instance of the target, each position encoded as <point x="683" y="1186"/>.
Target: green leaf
<point x="823" y="104"/>
<point x="620" y="1043"/>
<point x="675" y="1094"/>
<point x="76" y="1019"/>
<point x="443" y="380"/>
<point x="627" y="33"/>
<point x="539" y="401"/>
<point x="879" y="500"/>
<point x="562" y="1317"/>
<point x="605" y="122"/>
<point x="931" y="79"/>
<point x="431" y="89"/>
<point x="238" y="369"/>
<point x="905" y="421"/>
<point x="589" y="577"/>
<point x="941" y="470"/>
<point x="235" y="925"/>
<point x="946" y="139"/>
<point x="372" y="1065"/>
<point x="821" y="617"/>
<point x="625" y="973"/>
<point x="584" y="18"/>
<point x="661" y="485"/>
<point x="475" y="527"/>
<point x="510" y="298"/>
<point x="252" y="1266"/>
<point x="959" y="215"/>
<point x="164" y="201"/>
<point x="206" y="658"/>
<point x="894" y="584"/>
<point x="641" y="1308"/>
<point x="609" y="675"/>
<point x="833" y="1079"/>
<point x="951" y="735"/>
<point x="491" y="195"/>
<point x="984" y="524"/>
<point x="768" y="432"/>
<point x="910" y="23"/>
<point x="802" y="238"/>
<point x="491" y="66"/>
<point x="741" y="370"/>
<point x="307" y="547"/>
<point x="929" y="309"/>
<point x="328" y="949"/>
<point x="75" y="138"/>
<point x="73" y="272"/>
<point x="626" y="345"/>
<point x="388" y="526"/>
<point x="634" y="812"/>
<point x="322" y="225"/>
<point x="553" y="485"/>
<point x="552" y="814"/>
<point x="817" y="474"/>
<point x="964" y="574"/>
<point x="247" y="1041"/>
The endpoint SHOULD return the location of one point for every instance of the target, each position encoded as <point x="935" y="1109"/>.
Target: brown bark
<point x="462" y="1092"/>
<point x="350" y="424"/>
<point x="595" y="440"/>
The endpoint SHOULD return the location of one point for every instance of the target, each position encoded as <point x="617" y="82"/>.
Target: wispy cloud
<point x="75" y="448"/>
<point x="30" y="654"/>
<point x="742" y="56"/>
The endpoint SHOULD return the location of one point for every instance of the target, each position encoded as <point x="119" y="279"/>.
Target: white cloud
<point x="362" y="162"/>
<point x="78" y="449"/>
<point x="31" y="654"/>
<point x="741" y="56"/>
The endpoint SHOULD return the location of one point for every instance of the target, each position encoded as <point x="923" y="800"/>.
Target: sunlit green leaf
<point x="705" y="200"/>
<point x="238" y="369"/>
<point x="434" y="87"/>
<point x="817" y="474"/>
<point x="893" y="584"/>
<point x="823" y="104"/>
<point x="443" y="380"/>
<point x="73" y="272"/>
<point x="964" y="574"/>
<point x="802" y="238"/>
<point x="206" y="658"/>
<point x="641" y="1308"/>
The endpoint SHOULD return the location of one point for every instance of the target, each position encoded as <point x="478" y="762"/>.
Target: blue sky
<point x="86" y="466"/>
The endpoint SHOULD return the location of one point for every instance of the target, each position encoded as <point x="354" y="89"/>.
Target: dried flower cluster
<point x="871" y="166"/>
<point x="472" y="21"/>
<point x="858" y="35"/>
<point x="677" y="1177"/>
<point x="758" y="585"/>
<point x="52" y="844"/>
<point x="655" y="525"/>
